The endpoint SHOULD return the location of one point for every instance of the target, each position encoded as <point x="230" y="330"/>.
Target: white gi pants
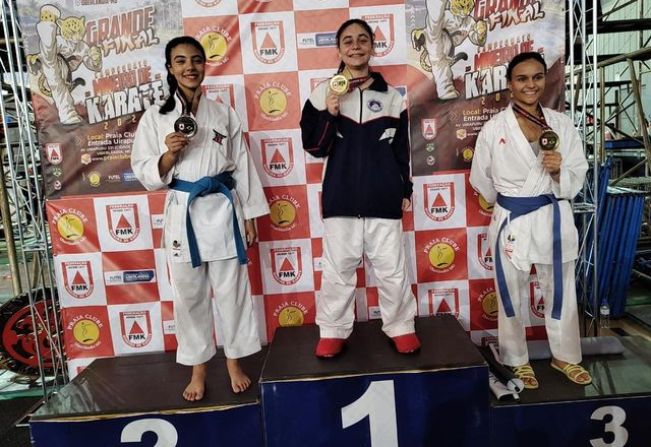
<point x="193" y="310"/>
<point x="563" y="334"/>
<point x="345" y="240"/>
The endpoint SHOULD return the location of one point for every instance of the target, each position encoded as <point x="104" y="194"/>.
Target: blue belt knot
<point x="517" y="207"/>
<point x="222" y="183"/>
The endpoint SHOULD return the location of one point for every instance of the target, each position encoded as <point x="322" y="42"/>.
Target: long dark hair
<point x="345" y="25"/>
<point x="519" y="58"/>
<point x="170" y="103"/>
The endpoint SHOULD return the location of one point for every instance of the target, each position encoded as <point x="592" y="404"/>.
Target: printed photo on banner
<point x="457" y="56"/>
<point x="93" y="70"/>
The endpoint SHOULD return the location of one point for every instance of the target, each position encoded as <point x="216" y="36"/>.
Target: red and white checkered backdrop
<point x="264" y="57"/>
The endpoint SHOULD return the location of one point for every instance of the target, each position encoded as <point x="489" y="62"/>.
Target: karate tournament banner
<point x="96" y="65"/>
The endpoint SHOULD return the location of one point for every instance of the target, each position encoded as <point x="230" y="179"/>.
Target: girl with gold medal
<point x="359" y="123"/>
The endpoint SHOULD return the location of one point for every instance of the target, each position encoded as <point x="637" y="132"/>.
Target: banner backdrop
<point x="96" y="65"/>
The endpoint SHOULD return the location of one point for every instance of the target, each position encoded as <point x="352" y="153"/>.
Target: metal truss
<point x="21" y="187"/>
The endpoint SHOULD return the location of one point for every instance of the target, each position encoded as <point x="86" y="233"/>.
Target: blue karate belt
<point x="222" y="183"/>
<point x="520" y="206"/>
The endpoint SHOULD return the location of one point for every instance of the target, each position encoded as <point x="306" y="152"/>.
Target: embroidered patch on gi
<point x="374" y="105"/>
<point x="218" y="138"/>
<point x="176" y="249"/>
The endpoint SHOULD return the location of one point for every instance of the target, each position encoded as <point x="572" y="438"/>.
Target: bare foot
<point x="239" y="380"/>
<point x="195" y="389"/>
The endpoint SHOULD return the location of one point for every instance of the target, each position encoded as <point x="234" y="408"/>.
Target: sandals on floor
<point x="526" y="374"/>
<point x="573" y="372"/>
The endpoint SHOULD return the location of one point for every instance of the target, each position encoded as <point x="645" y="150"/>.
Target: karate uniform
<point x="217" y="147"/>
<point x="366" y="178"/>
<point x="504" y="162"/>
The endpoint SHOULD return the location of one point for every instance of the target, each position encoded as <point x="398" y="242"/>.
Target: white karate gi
<point x="217" y="147"/>
<point x="505" y="163"/>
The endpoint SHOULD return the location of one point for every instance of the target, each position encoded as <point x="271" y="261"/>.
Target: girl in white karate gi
<point x="532" y="222"/>
<point x="203" y="239"/>
<point x="366" y="186"/>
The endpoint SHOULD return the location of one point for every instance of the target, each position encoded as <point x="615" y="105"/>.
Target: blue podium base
<point x="137" y="400"/>
<point x="612" y="411"/>
<point x="372" y="396"/>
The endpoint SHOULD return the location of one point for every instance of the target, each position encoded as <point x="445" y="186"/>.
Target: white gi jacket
<point x="218" y="146"/>
<point x="505" y="163"/>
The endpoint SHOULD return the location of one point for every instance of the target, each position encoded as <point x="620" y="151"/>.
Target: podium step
<point x="612" y="411"/>
<point x="370" y="394"/>
<point x="139" y="398"/>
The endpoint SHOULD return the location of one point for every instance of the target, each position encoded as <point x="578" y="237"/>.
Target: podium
<point x="612" y="411"/>
<point x="370" y="395"/>
<point x="137" y="400"/>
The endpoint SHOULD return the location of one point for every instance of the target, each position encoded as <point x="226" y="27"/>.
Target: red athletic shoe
<point x="329" y="347"/>
<point x="406" y="344"/>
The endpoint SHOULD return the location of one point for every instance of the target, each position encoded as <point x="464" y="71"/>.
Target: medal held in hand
<point x="186" y="125"/>
<point x="339" y="84"/>
<point x="548" y="140"/>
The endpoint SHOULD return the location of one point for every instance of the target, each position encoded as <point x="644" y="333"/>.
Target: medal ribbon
<point x="531" y="117"/>
<point x="356" y="82"/>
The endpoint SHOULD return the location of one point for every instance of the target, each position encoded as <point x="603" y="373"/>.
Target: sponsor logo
<point x="290" y="313"/>
<point x="441" y="254"/>
<point x="272" y="99"/>
<point x="488" y="301"/>
<point x="428" y="128"/>
<point x="86" y="331"/>
<point x="53" y="153"/>
<point x="268" y="41"/>
<point x="78" y="278"/>
<point x="214" y="41"/>
<point x="57" y="171"/>
<point x="114" y="178"/>
<point x="443" y="301"/>
<point x="283" y="212"/>
<point x="383" y="28"/>
<point x="462" y="134"/>
<point x="86" y="159"/>
<point x="70" y="225"/>
<point x="123" y="221"/>
<point x="129" y="277"/>
<point x="326" y="39"/>
<point x="439" y="200"/>
<point x="467" y="153"/>
<point x="277" y="156"/>
<point x="129" y="176"/>
<point x="484" y="252"/>
<point x="286" y="265"/>
<point x="94" y="179"/>
<point x="57" y="185"/>
<point x="136" y="328"/>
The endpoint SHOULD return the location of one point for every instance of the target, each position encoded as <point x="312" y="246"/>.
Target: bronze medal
<point x="548" y="140"/>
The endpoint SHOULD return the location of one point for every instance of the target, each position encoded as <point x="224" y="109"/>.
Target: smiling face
<point x="187" y="65"/>
<point x="355" y="48"/>
<point x="527" y="82"/>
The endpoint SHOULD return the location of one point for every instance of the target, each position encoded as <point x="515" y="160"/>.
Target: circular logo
<point x="431" y="160"/>
<point x="467" y="154"/>
<point x="441" y="256"/>
<point x="290" y="316"/>
<point x="488" y="207"/>
<point x="186" y="125"/>
<point x="215" y="46"/>
<point x="489" y="305"/>
<point x="273" y="102"/>
<point x="94" y="179"/>
<point x="70" y="227"/>
<point x="282" y="213"/>
<point x="339" y="84"/>
<point x="86" y="332"/>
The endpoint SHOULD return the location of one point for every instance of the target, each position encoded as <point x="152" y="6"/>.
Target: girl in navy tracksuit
<point x="364" y="135"/>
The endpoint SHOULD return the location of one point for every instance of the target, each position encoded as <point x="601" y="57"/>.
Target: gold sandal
<point x="526" y="374"/>
<point x="574" y="372"/>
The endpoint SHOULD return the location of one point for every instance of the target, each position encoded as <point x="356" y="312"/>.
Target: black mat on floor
<point x="641" y="314"/>
<point x="11" y="410"/>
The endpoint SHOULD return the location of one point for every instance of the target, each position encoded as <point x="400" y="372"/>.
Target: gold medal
<point x="548" y="140"/>
<point x="339" y="84"/>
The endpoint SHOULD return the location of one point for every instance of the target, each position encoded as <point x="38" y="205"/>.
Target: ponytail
<point x="170" y="103"/>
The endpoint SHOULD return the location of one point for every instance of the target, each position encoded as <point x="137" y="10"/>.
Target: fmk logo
<point x="123" y="221"/>
<point x="268" y="41"/>
<point x="78" y="278"/>
<point x="484" y="252"/>
<point x="277" y="156"/>
<point x="136" y="328"/>
<point x="439" y="200"/>
<point x="383" y="29"/>
<point x="443" y="301"/>
<point x="286" y="265"/>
